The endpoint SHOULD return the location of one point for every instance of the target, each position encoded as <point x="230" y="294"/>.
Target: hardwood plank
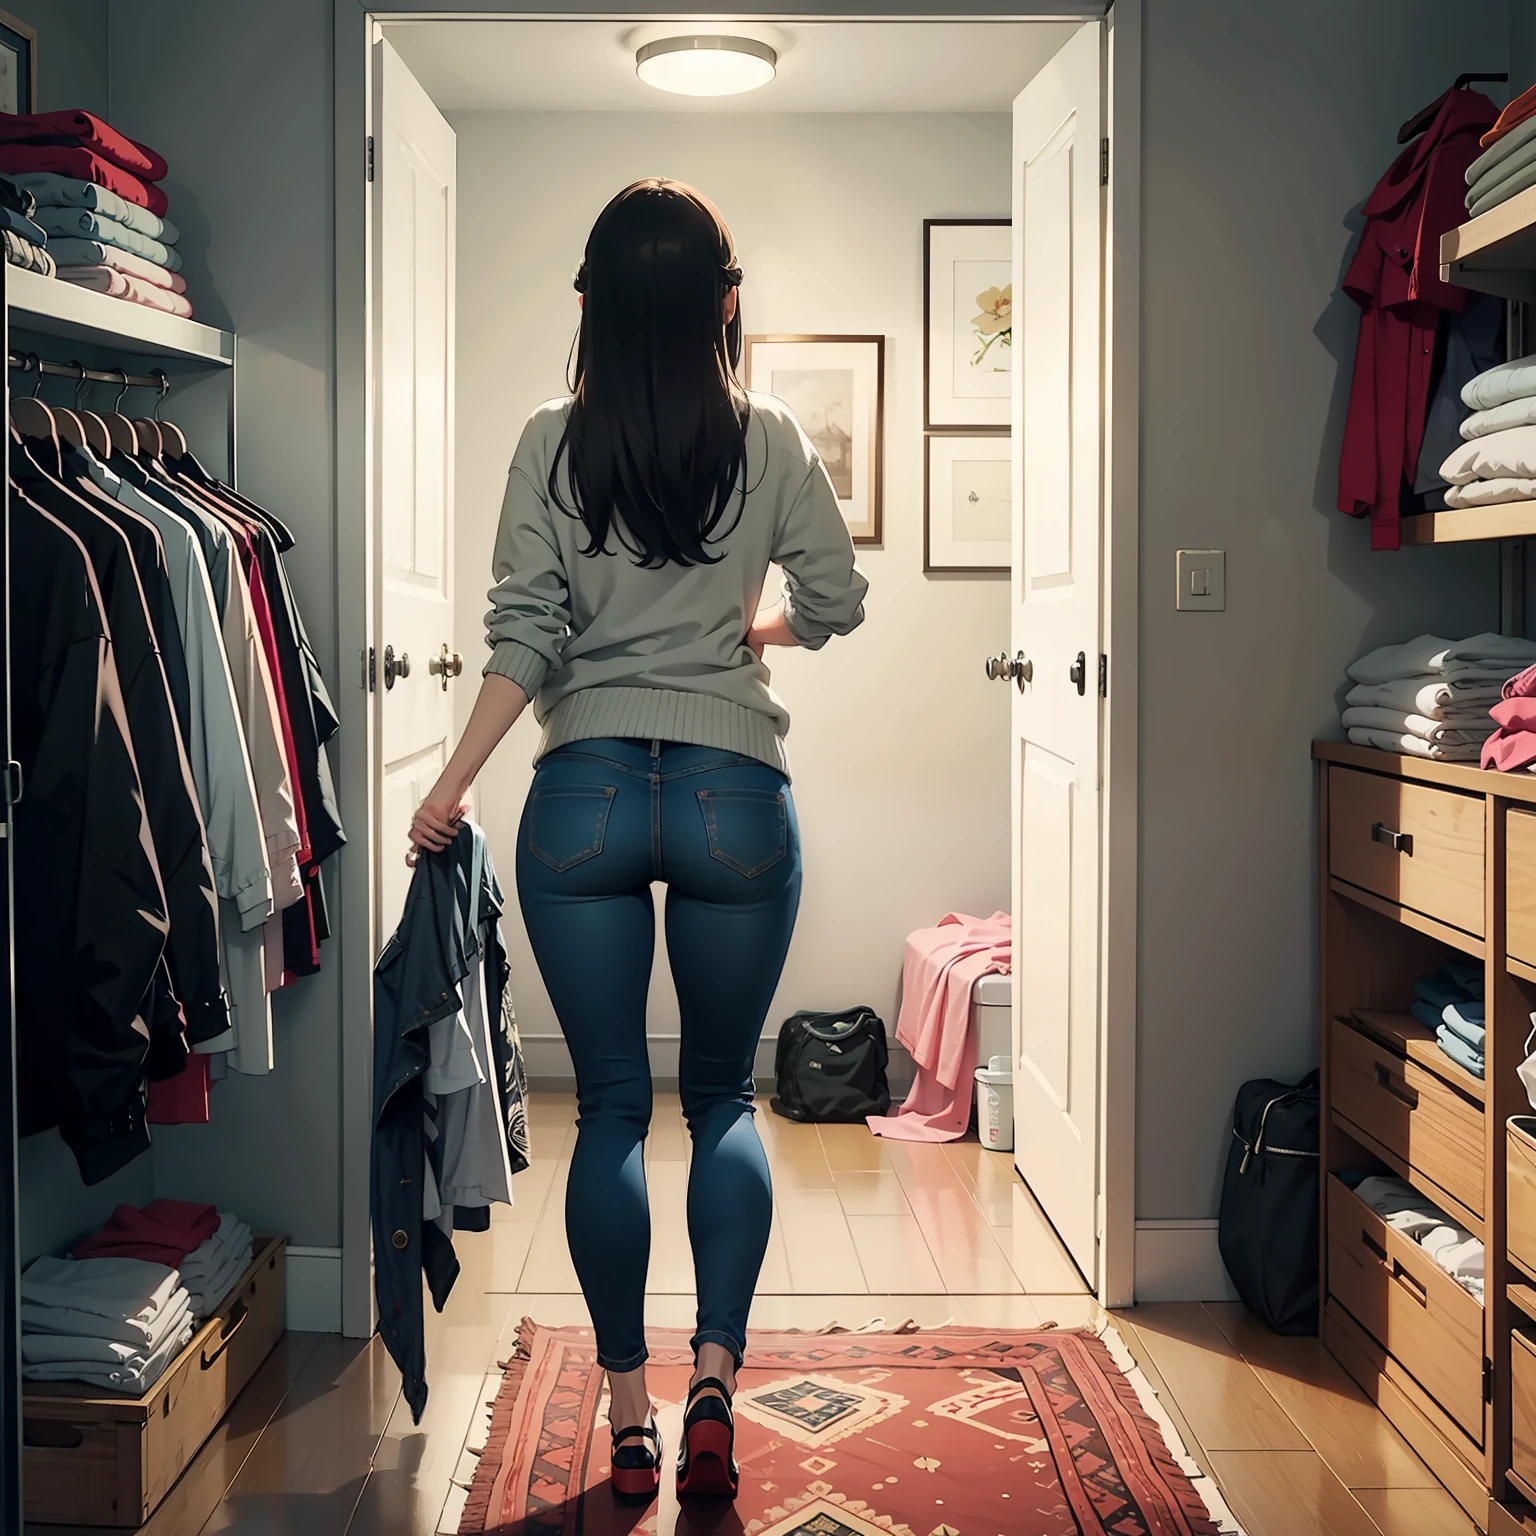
<point x="671" y="1267"/>
<point x="894" y="1256"/>
<point x="854" y="1147"/>
<point x="1228" y="1407"/>
<point x="1038" y="1256"/>
<point x="1415" y="1511"/>
<point x="1137" y="1346"/>
<point x="1343" y="1426"/>
<point x="666" y="1142"/>
<point x="821" y="1256"/>
<point x="773" y="1278"/>
<point x="865" y="1193"/>
<point x="795" y="1154"/>
<point x="990" y="1176"/>
<point x="1289" y="1493"/>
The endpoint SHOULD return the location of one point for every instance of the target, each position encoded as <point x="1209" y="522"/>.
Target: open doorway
<point x="916" y="782"/>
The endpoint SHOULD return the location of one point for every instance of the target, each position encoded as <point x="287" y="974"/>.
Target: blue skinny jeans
<point x="604" y="819"/>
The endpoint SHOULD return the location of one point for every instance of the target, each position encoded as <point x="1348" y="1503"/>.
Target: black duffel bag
<point x="1269" y="1202"/>
<point x="830" y="1067"/>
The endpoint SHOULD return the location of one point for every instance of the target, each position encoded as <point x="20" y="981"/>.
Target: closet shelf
<point x="49" y="307"/>
<point x="1496" y="251"/>
<point x="1466" y="525"/>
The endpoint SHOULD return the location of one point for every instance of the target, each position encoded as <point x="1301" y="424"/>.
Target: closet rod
<point x="30" y="362"/>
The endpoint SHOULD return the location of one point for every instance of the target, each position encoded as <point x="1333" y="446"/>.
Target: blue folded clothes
<point x="82" y="224"/>
<point x="1466" y="1020"/>
<point x="20" y="224"/>
<point x="67" y="192"/>
<point x="1459" y="1051"/>
<point x="1426" y="1013"/>
<point x="1454" y="982"/>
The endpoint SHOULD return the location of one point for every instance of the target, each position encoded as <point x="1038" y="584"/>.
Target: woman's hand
<point x="437" y="822"/>
<point x="768" y="628"/>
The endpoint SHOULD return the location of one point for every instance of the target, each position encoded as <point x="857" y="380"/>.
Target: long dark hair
<point x="657" y="428"/>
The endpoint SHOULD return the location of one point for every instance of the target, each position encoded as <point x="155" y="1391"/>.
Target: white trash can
<point x="994" y="1104"/>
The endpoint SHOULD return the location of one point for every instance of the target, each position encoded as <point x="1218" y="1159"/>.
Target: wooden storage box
<point x="95" y="1459"/>
<point x="1520" y="1191"/>
<point x="1522" y="1366"/>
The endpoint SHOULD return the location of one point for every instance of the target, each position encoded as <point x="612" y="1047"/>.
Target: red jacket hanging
<point x="1395" y="279"/>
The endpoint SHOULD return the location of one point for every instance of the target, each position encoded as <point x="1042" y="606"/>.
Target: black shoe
<point x="637" y="1468"/>
<point x="706" y="1468"/>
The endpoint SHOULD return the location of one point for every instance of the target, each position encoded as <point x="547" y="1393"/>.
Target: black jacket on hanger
<point x="90" y="911"/>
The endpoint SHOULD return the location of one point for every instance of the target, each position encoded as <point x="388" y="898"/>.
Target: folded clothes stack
<point x="1513" y="745"/>
<point x="114" y="1323"/>
<point x="99" y="204"/>
<point x="1508" y="162"/>
<point x="210" y="1271"/>
<point x="1451" y="1003"/>
<point x="1430" y="697"/>
<point x="25" y="241"/>
<point x="1497" y="460"/>
<point x="1451" y="1247"/>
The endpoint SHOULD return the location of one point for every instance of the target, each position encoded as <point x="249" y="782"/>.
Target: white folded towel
<point x="1513" y="413"/>
<point x="1514" y="380"/>
<point x="1490" y="493"/>
<point x="125" y="1290"/>
<point x="1400" y="724"/>
<point x="1494" y="455"/>
<point x="46" y="1348"/>
<point x="1480" y="658"/>
<point x="133" y="1380"/>
<point x="207" y="1296"/>
<point x="1415" y="746"/>
<point x="1433" y="697"/>
<point x="210" y="1256"/>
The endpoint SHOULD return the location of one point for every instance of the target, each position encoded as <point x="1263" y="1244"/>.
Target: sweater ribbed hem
<point x="518" y="663"/>
<point x="642" y="714"/>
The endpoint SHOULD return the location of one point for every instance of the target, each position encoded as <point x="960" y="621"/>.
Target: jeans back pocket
<point x="568" y="822"/>
<point x="747" y="828"/>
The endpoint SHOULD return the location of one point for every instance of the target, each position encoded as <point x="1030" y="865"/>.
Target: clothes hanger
<point x="173" y="441"/>
<point x="119" y="428"/>
<point x="97" y="440"/>
<point x="151" y="430"/>
<point x="1422" y="119"/>
<point x="35" y="421"/>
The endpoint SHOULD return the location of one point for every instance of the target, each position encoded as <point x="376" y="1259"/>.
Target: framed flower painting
<point x="967" y="323"/>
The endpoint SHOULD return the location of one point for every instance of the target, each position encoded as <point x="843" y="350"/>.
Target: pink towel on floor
<point x="119" y="285"/>
<point x="940" y="967"/>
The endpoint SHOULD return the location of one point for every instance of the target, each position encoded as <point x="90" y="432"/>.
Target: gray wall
<point x="1522" y="45"/>
<point x="1265" y="128"/>
<point x="71" y="52"/>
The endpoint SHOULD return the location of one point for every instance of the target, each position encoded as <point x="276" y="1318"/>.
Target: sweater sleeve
<point x="530" y="615"/>
<point x="823" y="589"/>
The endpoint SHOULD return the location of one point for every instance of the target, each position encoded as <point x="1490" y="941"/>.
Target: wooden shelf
<point x="1496" y="251"/>
<point x="48" y="307"/>
<point x="1523" y="1298"/>
<point x="1467" y="525"/>
<point x="1403" y="1033"/>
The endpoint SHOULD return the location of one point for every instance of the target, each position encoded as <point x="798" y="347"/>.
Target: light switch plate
<point x="1202" y="581"/>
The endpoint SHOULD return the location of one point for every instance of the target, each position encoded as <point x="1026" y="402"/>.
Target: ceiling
<point x="589" y="66"/>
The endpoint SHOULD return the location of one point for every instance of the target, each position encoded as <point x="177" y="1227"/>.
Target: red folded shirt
<point x="93" y="134"/>
<point x="1522" y="107"/>
<point x="83" y="165"/>
<point x="164" y="1232"/>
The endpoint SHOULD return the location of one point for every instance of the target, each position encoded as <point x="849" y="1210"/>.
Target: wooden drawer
<point x="1522" y="1390"/>
<point x="94" y="1459"/>
<point x="1410" y="843"/>
<point x="1520" y="1191"/>
<point x="1413" y="1113"/>
<point x="1520" y="884"/>
<point x="1392" y="1288"/>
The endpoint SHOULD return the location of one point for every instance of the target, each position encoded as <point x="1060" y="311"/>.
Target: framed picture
<point x="967" y="501"/>
<point x="835" y="385"/>
<point x="18" y="65"/>
<point x="967" y="323"/>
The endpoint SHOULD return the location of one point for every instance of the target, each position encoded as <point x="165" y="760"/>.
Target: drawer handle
<point x="1377" y="1251"/>
<point x="1387" y="1080"/>
<point x="226" y="1338"/>
<point x="1409" y="1284"/>
<point x="50" y="1435"/>
<point x="1398" y="842"/>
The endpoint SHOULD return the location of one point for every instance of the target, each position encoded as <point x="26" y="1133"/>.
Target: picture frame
<point x="835" y="385"/>
<point x="967" y="324"/>
<point x="967" y="503"/>
<point x="18" y="65"/>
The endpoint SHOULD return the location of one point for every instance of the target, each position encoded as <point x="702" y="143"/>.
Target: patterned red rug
<point x="939" y="1432"/>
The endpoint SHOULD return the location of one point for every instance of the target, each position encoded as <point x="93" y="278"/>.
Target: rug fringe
<point x="477" y="1503"/>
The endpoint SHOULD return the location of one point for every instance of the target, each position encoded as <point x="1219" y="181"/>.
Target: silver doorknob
<point x="999" y="668"/>
<point x="445" y="665"/>
<point x="395" y="666"/>
<point x="1022" y="670"/>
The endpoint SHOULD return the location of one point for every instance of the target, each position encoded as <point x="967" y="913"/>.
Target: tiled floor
<point x="321" y="1445"/>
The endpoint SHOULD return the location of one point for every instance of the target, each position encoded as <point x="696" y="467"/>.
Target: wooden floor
<point x="320" y="1443"/>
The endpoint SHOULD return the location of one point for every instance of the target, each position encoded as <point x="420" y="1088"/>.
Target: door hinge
<point x="1103" y="675"/>
<point x="1487" y="1380"/>
<point x="1103" y="163"/>
<point x="370" y="670"/>
<point x="370" y="155"/>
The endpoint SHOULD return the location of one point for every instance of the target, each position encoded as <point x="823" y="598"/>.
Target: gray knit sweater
<point x="605" y="648"/>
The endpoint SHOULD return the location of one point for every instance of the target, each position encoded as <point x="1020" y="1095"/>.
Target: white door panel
<point x="413" y="253"/>
<point x="1056" y="615"/>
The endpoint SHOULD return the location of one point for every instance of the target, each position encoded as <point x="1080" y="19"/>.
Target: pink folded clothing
<point x="1522" y="685"/>
<point x="82" y="165"/>
<point x="131" y="266"/>
<point x="119" y="285"/>
<point x="163" y="1232"/>
<point x="1509" y="751"/>
<point x="92" y="132"/>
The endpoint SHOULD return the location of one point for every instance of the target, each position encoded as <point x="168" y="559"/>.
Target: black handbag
<point x="830" y="1067"/>
<point x="1269" y="1202"/>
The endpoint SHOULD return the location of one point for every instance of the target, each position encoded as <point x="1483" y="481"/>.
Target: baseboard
<point x="1179" y="1260"/>
<point x="314" y="1290"/>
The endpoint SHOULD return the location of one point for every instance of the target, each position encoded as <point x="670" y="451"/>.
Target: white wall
<point x="898" y="742"/>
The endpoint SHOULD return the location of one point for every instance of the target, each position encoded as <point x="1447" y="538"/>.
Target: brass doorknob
<point x="445" y="665"/>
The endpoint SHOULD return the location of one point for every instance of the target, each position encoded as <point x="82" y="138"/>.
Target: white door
<point x="413" y="256"/>
<point x="1058" y="219"/>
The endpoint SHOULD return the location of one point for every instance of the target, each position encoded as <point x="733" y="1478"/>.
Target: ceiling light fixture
<point x="706" y="66"/>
